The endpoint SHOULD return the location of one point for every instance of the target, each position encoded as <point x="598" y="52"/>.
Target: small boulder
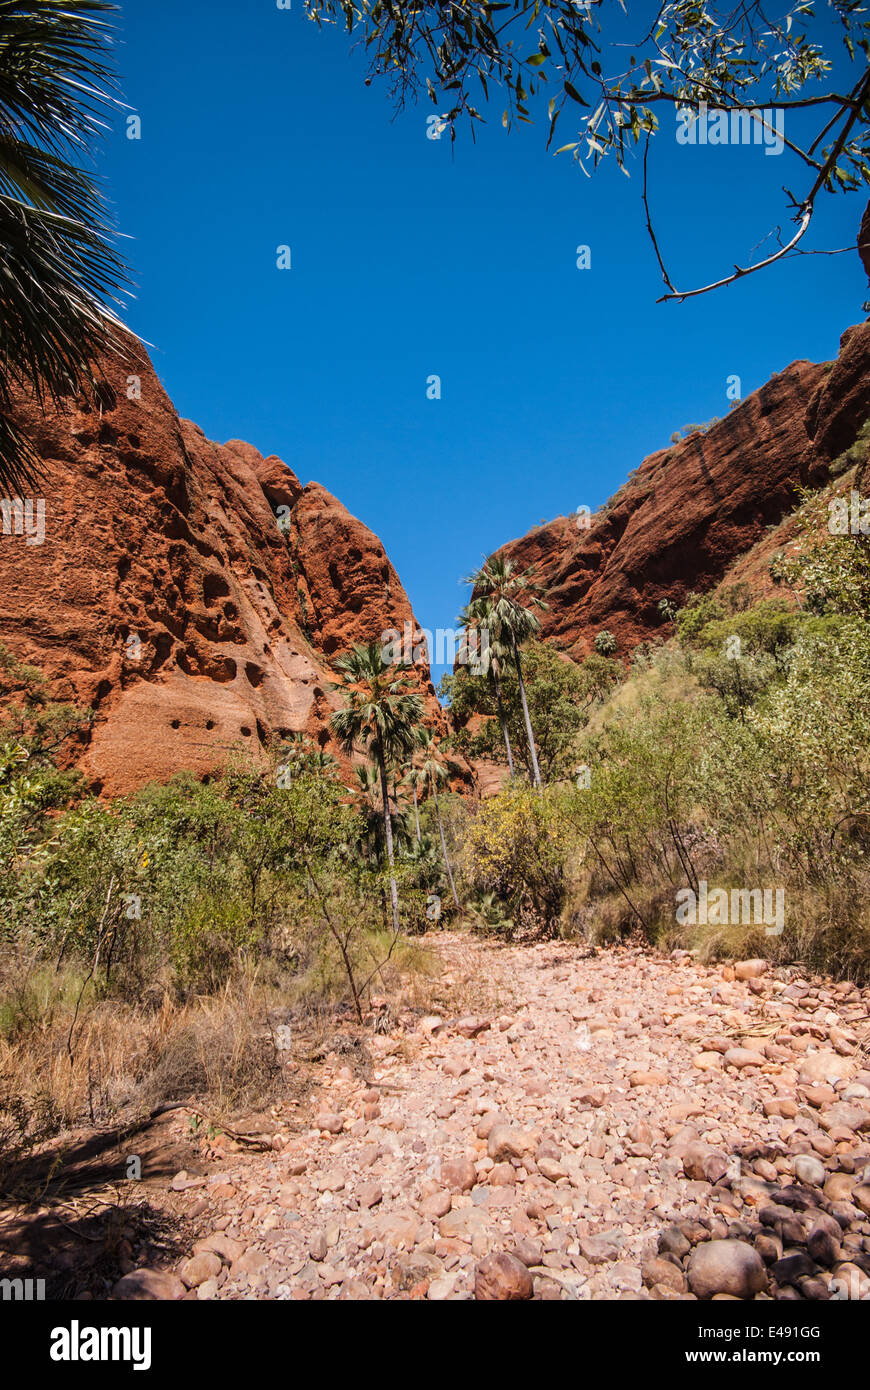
<point x="726" y="1267"/>
<point x="501" y="1277"/>
<point x="200" y="1267"/>
<point x="825" y="1068"/>
<point x="809" y="1170"/>
<point x="743" y="1057"/>
<point x="458" y="1174"/>
<point x="506" y="1142"/>
<point x="750" y="969"/>
<point x="149" y="1284"/>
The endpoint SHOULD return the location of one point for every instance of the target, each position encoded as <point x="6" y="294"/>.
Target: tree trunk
<point x="444" y="846"/>
<point x="388" y="828"/>
<point x="417" y="815"/>
<point x="536" y="772"/>
<point x="503" y="722"/>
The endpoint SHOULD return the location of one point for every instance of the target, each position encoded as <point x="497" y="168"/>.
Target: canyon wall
<point x="165" y="597"/>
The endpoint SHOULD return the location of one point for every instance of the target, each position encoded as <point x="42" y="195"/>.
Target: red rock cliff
<point x="165" y="597"/>
<point x="690" y="510"/>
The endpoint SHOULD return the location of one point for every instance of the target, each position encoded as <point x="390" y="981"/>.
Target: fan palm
<point x="496" y="604"/>
<point x="300" y="753"/>
<point x="489" y="657"/>
<point x="380" y="714"/>
<point x="490" y="915"/>
<point x="434" y="770"/>
<point x="415" y="778"/>
<point x="367" y="796"/>
<point x="57" y="262"/>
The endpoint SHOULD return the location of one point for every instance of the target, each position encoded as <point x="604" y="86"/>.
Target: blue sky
<point x="411" y="258"/>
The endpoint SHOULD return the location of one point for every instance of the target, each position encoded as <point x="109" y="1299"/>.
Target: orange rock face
<point x="165" y="596"/>
<point x="689" y="511"/>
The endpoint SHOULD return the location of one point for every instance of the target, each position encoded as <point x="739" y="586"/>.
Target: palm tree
<point x="58" y="264"/>
<point x="489" y="656"/>
<point x="415" y="778"/>
<point x="381" y="714"/>
<point x="302" y="755"/>
<point x="435" y="771"/>
<point x="496" y="603"/>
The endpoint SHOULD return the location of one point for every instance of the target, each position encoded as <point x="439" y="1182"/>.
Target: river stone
<point x="725" y="1267"/>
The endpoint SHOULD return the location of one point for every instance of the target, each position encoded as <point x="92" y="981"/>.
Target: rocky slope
<point x="705" y="1132"/>
<point x="165" y="597"/>
<point x="616" y="1124"/>
<point x="690" y="510"/>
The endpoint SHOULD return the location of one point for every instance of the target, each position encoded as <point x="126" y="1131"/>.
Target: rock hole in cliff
<point x="262" y="733"/>
<point x="254" y="674"/>
<point x="175" y="723"/>
<point x="245" y="732"/>
<point x="223" y="670"/>
<point x="214" y="587"/>
<point x="209" y="723"/>
<point x="162" y="648"/>
<point x="124" y="566"/>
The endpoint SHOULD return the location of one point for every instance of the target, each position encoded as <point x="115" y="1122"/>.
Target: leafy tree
<point x="380" y="713"/>
<point x="59" y="266"/>
<point x="561" y="697"/>
<point x="515" y="851"/>
<point x="699" y="610"/>
<point x="770" y="626"/>
<point x="619" y="80"/>
<point x="830" y="572"/>
<point x="34" y="732"/>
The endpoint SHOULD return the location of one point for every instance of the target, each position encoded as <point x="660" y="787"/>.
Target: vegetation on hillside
<point x="737" y="754"/>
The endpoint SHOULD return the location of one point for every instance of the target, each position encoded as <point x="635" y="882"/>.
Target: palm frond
<point x="60" y="276"/>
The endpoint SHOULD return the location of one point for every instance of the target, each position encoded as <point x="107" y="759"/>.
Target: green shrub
<point x="515" y="853"/>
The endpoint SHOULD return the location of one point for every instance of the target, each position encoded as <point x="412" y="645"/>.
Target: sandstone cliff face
<point x="165" y="597"/>
<point x="690" y="510"/>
